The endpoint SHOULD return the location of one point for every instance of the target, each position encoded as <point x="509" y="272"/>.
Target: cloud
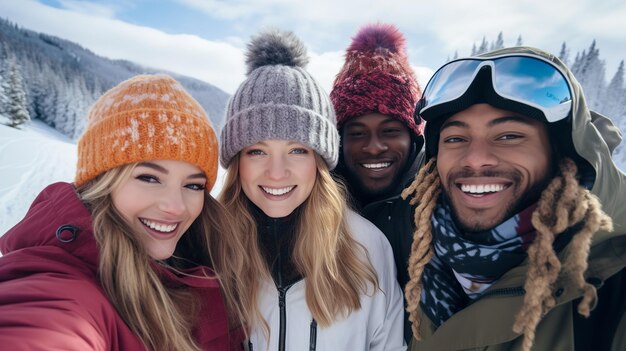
<point x="85" y="7"/>
<point x="434" y="30"/>
<point x="439" y="28"/>
<point x="216" y="62"/>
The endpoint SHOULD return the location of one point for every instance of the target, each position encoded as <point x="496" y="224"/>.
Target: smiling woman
<point x="307" y="259"/>
<point x="160" y="199"/>
<point x="129" y="255"/>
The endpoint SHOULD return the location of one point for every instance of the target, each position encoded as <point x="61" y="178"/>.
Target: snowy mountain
<point x="32" y="158"/>
<point x="61" y="79"/>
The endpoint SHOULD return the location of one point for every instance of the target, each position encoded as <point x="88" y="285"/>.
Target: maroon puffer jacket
<point x="50" y="296"/>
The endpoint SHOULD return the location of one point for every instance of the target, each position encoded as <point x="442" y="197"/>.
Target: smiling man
<point x="520" y="238"/>
<point x="374" y="96"/>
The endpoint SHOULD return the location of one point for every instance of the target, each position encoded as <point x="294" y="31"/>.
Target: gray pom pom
<point x="276" y="47"/>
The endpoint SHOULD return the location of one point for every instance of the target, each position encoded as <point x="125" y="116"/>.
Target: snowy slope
<point x="32" y="158"/>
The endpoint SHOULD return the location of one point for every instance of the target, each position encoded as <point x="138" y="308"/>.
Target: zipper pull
<point x="313" y="335"/>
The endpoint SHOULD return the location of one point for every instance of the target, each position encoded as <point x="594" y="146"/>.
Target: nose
<point x="173" y="202"/>
<point x="479" y="154"/>
<point x="374" y="145"/>
<point x="277" y="168"/>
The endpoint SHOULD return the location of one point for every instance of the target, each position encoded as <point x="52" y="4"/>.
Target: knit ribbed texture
<point x="148" y="117"/>
<point x="377" y="78"/>
<point x="279" y="100"/>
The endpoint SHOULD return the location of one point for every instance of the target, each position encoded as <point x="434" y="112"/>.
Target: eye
<point x="255" y="152"/>
<point x="509" y="136"/>
<point x="451" y="140"/>
<point x="355" y="133"/>
<point x="391" y="131"/>
<point x="147" y="178"/>
<point x="299" y="151"/>
<point x="196" y="186"/>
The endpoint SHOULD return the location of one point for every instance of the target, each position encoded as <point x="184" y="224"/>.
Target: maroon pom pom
<point x="378" y="35"/>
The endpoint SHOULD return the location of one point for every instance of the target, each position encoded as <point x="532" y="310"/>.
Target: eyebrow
<point x="493" y="122"/>
<point x="351" y="123"/>
<point x="161" y="169"/>
<point x="289" y="142"/>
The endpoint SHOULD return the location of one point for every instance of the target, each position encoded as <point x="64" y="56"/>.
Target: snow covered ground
<point x="32" y="158"/>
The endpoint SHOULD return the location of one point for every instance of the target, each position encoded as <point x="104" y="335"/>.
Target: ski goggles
<point x="526" y="79"/>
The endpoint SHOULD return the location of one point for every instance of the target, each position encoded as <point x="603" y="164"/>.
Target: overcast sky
<point x="205" y="39"/>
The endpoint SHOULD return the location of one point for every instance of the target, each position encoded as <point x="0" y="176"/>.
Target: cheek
<point x="308" y="174"/>
<point x="539" y="168"/>
<point x="402" y="145"/>
<point x="443" y="168"/>
<point x="349" y="149"/>
<point x="123" y="201"/>
<point x="195" y="205"/>
<point x="246" y="175"/>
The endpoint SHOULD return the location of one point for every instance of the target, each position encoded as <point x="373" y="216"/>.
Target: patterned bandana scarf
<point x="466" y="264"/>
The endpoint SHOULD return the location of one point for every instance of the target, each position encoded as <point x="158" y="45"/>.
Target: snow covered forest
<point x="54" y="80"/>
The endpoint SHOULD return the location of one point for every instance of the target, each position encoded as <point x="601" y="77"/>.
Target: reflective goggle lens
<point x="524" y="79"/>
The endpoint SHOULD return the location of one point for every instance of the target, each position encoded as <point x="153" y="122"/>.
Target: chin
<point x="374" y="190"/>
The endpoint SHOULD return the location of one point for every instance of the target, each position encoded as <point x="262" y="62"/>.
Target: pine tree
<point x="499" y="43"/>
<point x="484" y="46"/>
<point x="4" y="83"/>
<point x="4" y="99"/>
<point x="17" y="111"/>
<point x="564" y="54"/>
<point x="589" y="70"/>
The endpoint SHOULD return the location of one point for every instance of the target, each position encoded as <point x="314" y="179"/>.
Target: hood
<point x="594" y="137"/>
<point x="56" y="206"/>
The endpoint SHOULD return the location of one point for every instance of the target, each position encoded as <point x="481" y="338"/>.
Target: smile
<point x="481" y="189"/>
<point x="278" y="191"/>
<point x="163" y="228"/>
<point x="376" y="165"/>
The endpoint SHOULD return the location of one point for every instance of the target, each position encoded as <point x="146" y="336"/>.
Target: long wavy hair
<point x="161" y="316"/>
<point x="562" y="205"/>
<point x="336" y="267"/>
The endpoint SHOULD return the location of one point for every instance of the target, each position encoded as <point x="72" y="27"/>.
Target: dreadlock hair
<point x="563" y="204"/>
<point x="426" y="188"/>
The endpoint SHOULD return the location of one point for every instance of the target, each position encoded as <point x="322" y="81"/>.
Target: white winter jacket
<point x="378" y="325"/>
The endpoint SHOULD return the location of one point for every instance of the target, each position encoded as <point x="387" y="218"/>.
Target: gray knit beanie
<point x="279" y="100"/>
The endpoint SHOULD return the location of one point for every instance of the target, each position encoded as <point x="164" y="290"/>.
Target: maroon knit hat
<point x="377" y="77"/>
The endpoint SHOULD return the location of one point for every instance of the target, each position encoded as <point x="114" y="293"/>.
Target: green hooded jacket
<point x="487" y="324"/>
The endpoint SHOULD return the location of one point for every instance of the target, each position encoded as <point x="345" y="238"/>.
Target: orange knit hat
<point x="148" y="117"/>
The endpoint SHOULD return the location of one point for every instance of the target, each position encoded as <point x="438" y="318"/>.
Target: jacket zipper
<point x="282" y="294"/>
<point x="505" y="292"/>
<point x="282" y="304"/>
<point x="313" y="335"/>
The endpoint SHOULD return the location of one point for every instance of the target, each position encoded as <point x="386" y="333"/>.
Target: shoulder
<point x="362" y="229"/>
<point x="56" y="309"/>
<point x="51" y="279"/>
<point x="372" y="239"/>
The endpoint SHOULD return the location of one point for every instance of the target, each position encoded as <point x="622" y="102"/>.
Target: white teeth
<point x="482" y="188"/>
<point x="164" y="228"/>
<point x="279" y="191"/>
<point x="376" y="165"/>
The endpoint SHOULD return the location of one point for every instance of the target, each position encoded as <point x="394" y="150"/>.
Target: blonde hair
<point x="162" y="317"/>
<point x="563" y="204"/>
<point x="336" y="267"/>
